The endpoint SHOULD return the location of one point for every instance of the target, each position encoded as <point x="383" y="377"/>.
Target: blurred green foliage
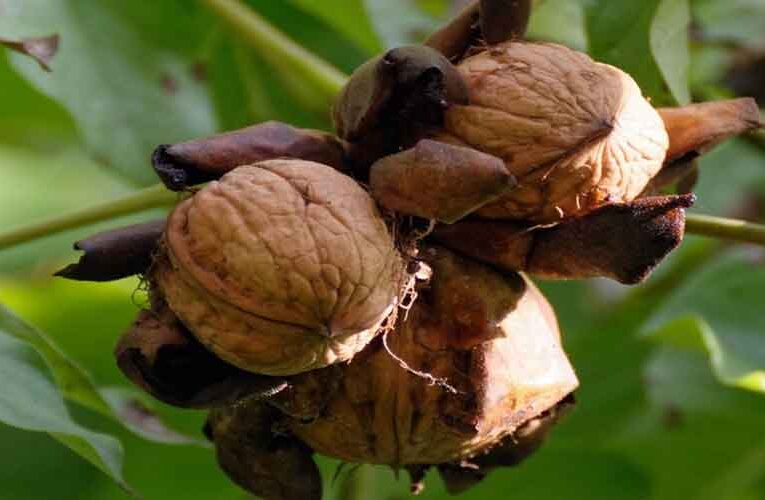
<point x="671" y="403"/>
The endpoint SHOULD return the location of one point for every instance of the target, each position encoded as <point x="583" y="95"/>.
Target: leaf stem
<point x="276" y="48"/>
<point x="726" y="229"/>
<point x="138" y="201"/>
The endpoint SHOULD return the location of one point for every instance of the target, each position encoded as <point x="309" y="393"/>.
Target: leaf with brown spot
<point x="42" y="49"/>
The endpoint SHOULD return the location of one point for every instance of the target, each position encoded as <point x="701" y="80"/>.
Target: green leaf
<point x="72" y="380"/>
<point x="76" y="385"/>
<point x="134" y="412"/>
<point x="670" y="46"/>
<point x="718" y="311"/>
<point x="559" y="21"/>
<point x="29" y="401"/>
<point x="348" y="17"/>
<point x="619" y="34"/>
<point x="740" y="21"/>
<point x="697" y="438"/>
<point x="123" y="71"/>
<point x="400" y="22"/>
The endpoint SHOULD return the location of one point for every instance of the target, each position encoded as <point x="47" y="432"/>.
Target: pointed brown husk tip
<point x="201" y="160"/>
<point x="621" y="241"/>
<point x="699" y="127"/>
<point x="115" y="254"/>
<point x="439" y="181"/>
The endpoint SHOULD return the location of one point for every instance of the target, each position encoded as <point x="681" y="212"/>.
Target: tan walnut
<point x="574" y="132"/>
<point x="280" y="267"/>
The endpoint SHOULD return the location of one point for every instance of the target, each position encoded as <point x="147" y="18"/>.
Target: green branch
<point x="276" y="48"/>
<point x="725" y="229"/>
<point x="138" y="201"/>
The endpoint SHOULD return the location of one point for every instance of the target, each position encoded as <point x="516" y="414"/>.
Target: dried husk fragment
<point x="116" y="254"/>
<point x="575" y="133"/>
<point x="280" y="267"/>
<point x="200" y="160"/>
<point x="438" y="181"/>
<point x="621" y="241"/>
<point x="696" y="128"/>
<point x="481" y="22"/>
<point x="161" y="356"/>
<point x="263" y="462"/>
<point x="490" y="337"/>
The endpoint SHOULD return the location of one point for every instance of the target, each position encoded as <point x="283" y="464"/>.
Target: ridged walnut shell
<point x="574" y="132"/>
<point x="491" y="336"/>
<point x="280" y="267"/>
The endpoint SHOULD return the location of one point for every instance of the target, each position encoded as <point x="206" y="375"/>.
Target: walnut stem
<point x="152" y="197"/>
<point x="725" y="229"/>
<point x="277" y="48"/>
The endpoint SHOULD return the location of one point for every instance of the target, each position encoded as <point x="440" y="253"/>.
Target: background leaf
<point x="76" y="385"/>
<point x="732" y="20"/>
<point x="128" y="85"/>
<point x="348" y="17"/>
<point x="560" y="21"/>
<point x="718" y="312"/>
<point x="29" y="401"/>
<point x="400" y="22"/>
<point x="618" y="32"/>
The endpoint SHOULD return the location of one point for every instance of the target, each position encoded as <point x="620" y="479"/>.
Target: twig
<point x="725" y="229"/>
<point x="138" y="201"/>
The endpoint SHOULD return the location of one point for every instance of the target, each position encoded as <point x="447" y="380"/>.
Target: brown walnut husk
<point x="575" y="133"/>
<point x="491" y="343"/>
<point x="280" y="267"/>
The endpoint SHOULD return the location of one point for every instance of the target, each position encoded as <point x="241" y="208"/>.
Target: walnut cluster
<point x="366" y="295"/>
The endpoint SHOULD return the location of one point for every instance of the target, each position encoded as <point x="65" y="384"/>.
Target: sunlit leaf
<point x="670" y="46"/>
<point x="719" y="312"/>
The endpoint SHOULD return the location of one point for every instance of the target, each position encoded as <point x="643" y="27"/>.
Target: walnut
<point x="280" y="267"/>
<point x="575" y="133"/>
<point x="488" y="340"/>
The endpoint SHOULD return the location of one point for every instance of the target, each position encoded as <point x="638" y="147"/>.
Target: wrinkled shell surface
<point x="491" y="336"/>
<point x="280" y="267"/>
<point x="574" y="132"/>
